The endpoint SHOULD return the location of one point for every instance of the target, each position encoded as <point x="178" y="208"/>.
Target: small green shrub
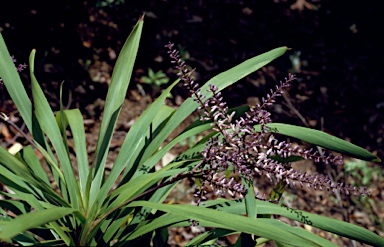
<point x="155" y="80"/>
<point x="362" y="172"/>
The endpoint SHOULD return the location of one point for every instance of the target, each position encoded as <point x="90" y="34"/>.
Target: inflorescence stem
<point x="247" y="152"/>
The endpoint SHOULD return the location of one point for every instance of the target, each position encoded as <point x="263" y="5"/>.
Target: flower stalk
<point x="245" y="151"/>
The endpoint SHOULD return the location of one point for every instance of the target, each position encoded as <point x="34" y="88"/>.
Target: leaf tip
<point x="378" y="160"/>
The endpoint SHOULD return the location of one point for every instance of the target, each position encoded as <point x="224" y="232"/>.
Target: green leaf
<point x="138" y="185"/>
<point x="338" y="227"/>
<point x="277" y="191"/>
<point x="18" y="93"/>
<point x="49" y="125"/>
<point x="321" y="139"/>
<point x="210" y="235"/>
<point x="61" y="120"/>
<point x="121" y="77"/>
<point x="76" y="123"/>
<point x="267" y="228"/>
<point x="151" y="162"/>
<point x="15" y="207"/>
<point x="250" y="200"/>
<point x="32" y="220"/>
<point x="131" y="149"/>
<point x="25" y="239"/>
<point x="29" y="156"/>
<point x="32" y="200"/>
<point x="161" y="194"/>
<point x="124" y="194"/>
<point x="151" y="74"/>
<point x="18" y="168"/>
<point x="161" y="237"/>
<point x="238" y="207"/>
<point x="47" y="154"/>
<point x="14" y="183"/>
<point x="14" y="85"/>
<point x="146" y="80"/>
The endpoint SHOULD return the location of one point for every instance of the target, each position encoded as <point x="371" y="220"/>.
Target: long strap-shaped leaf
<point x="161" y="117"/>
<point x="14" y="85"/>
<point x="116" y="94"/>
<point x="133" y="141"/>
<point x="48" y="124"/>
<point x="40" y="205"/>
<point x="18" y="93"/>
<point x="32" y="220"/>
<point x="338" y="227"/>
<point x="76" y="123"/>
<point x="267" y="228"/>
<point x="120" y="197"/>
<point x="20" y="169"/>
<point x="222" y="81"/>
<point x="322" y="139"/>
<point x="30" y="157"/>
<point x="211" y="235"/>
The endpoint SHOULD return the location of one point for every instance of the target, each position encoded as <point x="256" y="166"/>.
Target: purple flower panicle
<point x="249" y="153"/>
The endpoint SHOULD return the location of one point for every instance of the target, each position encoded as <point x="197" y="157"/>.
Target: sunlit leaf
<point x="31" y="220"/>
<point x="321" y="139"/>
<point x="268" y="228"/>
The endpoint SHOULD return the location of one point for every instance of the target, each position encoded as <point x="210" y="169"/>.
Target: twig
<point x="6" y="119"/>
<point x="292" y="108"/>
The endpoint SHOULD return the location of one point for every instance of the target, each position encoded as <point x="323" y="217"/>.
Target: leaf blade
<point x="338" y="227"/>
<point x="115" y="97"/>
<point x="47" y="121"/>
<point x="76" y="123"/>
<point x="129" y="148"/>
<point x="268" y="228"/>
<point x="322" y="139"/>
<point x="14" y="85"/>
<point x="31" y="220"/>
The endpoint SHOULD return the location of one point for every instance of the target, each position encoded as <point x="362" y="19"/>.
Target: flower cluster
<point x="246" y="151"/>
<point x="19" y="68"/>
